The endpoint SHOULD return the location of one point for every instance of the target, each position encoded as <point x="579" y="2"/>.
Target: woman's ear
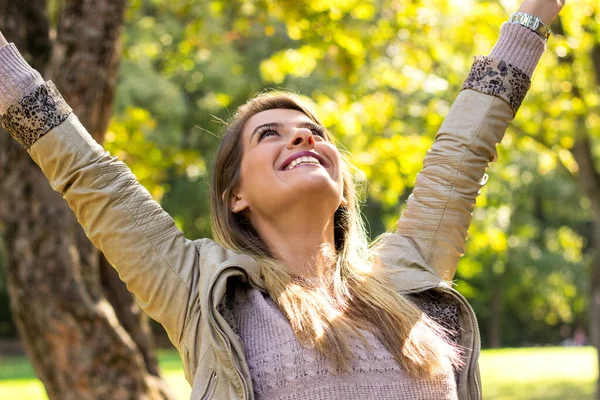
<point x="344" y="202"/>
<point x="237" y="203"/>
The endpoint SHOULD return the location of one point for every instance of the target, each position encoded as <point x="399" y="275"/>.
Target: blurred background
<point x="381" y="75"/>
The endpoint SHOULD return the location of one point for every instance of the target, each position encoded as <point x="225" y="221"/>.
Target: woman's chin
<point x="315" y="190"/>
<point x="311" y="184"/>
<point x="312" y="180"/>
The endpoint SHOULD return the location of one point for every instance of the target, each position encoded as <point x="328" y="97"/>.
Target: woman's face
<point x="287" y="160"/>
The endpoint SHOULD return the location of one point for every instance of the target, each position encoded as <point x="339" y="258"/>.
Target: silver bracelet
<point x="531" y="22"/>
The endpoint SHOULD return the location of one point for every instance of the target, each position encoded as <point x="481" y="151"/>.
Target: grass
<point x="549" y="373"/>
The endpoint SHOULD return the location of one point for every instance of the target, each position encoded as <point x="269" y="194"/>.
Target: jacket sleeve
<point x="118" y="214"/>
<point x="433" y="227"/>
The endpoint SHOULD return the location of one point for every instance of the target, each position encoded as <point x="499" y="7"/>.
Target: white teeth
<point x="302" y="160"/>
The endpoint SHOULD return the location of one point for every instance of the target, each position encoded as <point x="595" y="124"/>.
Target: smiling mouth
<point x="303" y="161"/>
<point x="303" y="158"/>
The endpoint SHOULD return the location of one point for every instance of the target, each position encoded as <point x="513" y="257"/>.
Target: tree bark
<point x="495" y="323"/>
<point x="80" y="345"/>
<point x="588" y="179"/>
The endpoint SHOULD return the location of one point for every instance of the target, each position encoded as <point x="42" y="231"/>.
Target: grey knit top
<point x="282" y="369"/>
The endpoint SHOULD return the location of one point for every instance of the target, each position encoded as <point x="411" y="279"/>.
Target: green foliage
<point x="381" y="75"/>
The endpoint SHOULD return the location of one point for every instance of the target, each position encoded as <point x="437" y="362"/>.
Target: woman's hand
<point x="546" y="10"/>
<point x="2" y="40"/>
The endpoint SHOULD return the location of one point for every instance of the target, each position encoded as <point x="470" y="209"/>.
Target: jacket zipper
<point x="223" y="336"/>
<point x="472" y="370"/>
<point x="211" y="386"/>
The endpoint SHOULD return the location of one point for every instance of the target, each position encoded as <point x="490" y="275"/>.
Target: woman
<point x="291" y="302"/>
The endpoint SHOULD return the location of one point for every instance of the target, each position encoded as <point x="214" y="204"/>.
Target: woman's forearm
<point x="439" y="211"/>
<point x="519" y="47"/>
<point x="546" y="10"/>
<point x="17" y="78"/>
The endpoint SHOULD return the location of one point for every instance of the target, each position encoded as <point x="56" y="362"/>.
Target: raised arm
<point x="118" y="215"/>
<point x="433" y="228"/>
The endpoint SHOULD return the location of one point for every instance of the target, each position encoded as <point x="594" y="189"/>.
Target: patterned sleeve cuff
<point x="497" y="78"/>
<point x="36" y="114"/>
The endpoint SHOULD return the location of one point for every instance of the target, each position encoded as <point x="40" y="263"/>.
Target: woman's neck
<point x="299" y="240"/>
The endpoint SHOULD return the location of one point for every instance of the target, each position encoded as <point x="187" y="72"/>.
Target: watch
<point x="531" y="22"/>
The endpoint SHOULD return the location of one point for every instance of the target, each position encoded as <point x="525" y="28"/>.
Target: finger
<point x="2" y="40"/>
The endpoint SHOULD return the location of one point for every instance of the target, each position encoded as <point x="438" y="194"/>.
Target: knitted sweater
<point x="280" y="367"/>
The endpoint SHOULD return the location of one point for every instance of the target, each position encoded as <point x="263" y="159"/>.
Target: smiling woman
<point x="291" y="301"/>
<point x="303" y="226"/>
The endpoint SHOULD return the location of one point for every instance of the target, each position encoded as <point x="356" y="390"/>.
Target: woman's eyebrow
<point x="308" y="124"/>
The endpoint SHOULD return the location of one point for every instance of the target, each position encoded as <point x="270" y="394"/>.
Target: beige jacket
<point x="180" y="282"/>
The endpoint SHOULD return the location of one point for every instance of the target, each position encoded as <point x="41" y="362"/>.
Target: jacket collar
<point x="407" y="274"/>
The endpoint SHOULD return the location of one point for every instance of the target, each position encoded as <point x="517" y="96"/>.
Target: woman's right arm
<point x="158" y="264"/>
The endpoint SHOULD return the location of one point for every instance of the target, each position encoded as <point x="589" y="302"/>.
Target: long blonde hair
<point x="347" y="295"/>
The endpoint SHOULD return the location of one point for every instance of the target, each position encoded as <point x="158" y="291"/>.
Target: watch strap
<point x="531" y="22"/>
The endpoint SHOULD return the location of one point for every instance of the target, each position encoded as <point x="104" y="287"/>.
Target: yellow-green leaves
<point x="381" y="75"/>
<point x="295" y="62"/>
<point x="126" y="138"/>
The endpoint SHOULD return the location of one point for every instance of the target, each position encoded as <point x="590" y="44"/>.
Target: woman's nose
<point x="300" y="137"/>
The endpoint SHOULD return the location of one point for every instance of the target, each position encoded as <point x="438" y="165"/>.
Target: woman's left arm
<point x="438" y="212"/>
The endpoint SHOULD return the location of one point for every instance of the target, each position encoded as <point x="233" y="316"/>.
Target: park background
<point x="381" y="75"/>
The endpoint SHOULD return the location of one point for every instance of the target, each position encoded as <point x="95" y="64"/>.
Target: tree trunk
<point x="595" y="278"/>
<point x="80" y="345"/>
<point x="589" y="181"/>
<point x="595" y="299"/>
<point x="495" y="324"/>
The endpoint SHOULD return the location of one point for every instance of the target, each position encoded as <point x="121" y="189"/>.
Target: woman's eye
<point x="265" y="134"/>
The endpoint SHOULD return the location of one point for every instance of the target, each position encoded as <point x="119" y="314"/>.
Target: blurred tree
<point x="568" y="126"/>
<point x="61" y="289"/>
